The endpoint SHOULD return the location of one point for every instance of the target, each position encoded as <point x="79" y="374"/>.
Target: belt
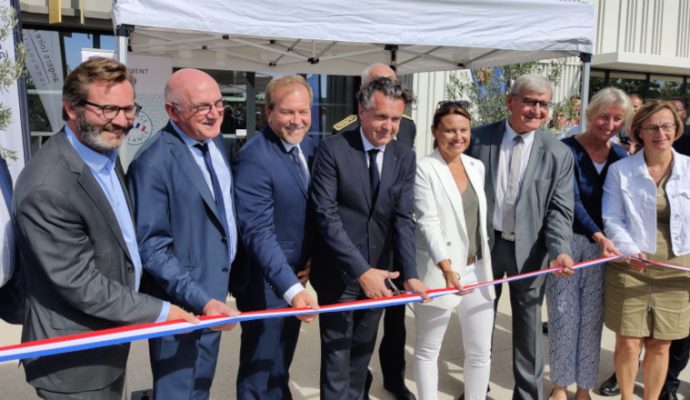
<point x="471" y="260"/>
<point x="506" y="236"/>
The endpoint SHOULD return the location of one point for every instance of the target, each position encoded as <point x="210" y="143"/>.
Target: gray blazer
<point x="544" y="223"/>
<point x="79" y="274"/>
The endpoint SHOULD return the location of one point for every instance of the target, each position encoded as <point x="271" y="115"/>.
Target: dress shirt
<point x="297" y="287"/>
<point x="102" y="166"/>
<point x="629" y="205"/>
<point x="503" y="170"/>
<point x="224" y="179"/>
<point x="368" y="146"/>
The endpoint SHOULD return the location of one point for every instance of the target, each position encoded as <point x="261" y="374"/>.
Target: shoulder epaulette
<point x="345" y="122"/>
<point x="407" y="117"/>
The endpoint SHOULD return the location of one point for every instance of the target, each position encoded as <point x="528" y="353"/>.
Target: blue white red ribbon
<point x="126" y="334"/>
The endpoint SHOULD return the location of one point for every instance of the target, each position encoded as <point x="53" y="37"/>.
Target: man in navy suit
<point x="363" y="198"/>
<point x="181" y="184"/>
<point x="271" y="185"/>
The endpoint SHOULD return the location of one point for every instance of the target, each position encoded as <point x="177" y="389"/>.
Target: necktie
<point x="294" y="154"/>
<point x="217" y="192"/>
<point x="513" y="185"/>
<point x="374" y="177"/>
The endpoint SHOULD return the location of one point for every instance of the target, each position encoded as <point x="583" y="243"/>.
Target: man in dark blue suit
<point x="271" y="185"/>
<point x="181" y="185"/>
<point x="363" y="198"/>
<point x="11" y="309"/>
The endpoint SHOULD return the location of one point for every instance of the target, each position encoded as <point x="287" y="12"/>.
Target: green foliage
<point x="489" y="106"/>
<point x="10" y="69"/>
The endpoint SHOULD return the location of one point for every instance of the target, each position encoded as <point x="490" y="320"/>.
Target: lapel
<point x="285" y="157"/>
<point x="357" y="158"/>
<point x="535" y="158"/>
<point x="92" y="189"/>
<point x="495" y="151"/>
<point x="451" y="188"/>
<point x="183" y="156"/>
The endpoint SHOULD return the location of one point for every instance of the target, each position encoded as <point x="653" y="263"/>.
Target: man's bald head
<point x="182" y="83"/>
<point x="377" y="70"/>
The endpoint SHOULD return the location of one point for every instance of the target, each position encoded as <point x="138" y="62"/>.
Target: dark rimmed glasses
<point x="110" y="111"/>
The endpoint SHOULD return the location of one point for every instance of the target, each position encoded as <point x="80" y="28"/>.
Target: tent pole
<point x="586" y="59"/>
<point x="122" y="33"/>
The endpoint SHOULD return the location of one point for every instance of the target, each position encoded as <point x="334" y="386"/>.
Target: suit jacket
<point x="441" y="228"/>
<point x="406" y="134"/>
<point x="80" y="273"/>
<point x="272" y="215"/>
<point x="545" y="204"/>
<point x="182" y="241"/>
<point x="355" y="234"/>
<point x="12" y="293"/>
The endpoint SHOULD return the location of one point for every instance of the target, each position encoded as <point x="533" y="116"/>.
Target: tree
<point x="10" y="69"/>
<point x="486" y="92"/>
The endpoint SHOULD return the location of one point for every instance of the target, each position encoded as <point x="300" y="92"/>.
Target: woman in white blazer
<point x="452" y="251"/>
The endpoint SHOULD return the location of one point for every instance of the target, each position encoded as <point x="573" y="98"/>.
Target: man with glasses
<point x="182" y="189"/>
<point x="77" y="241"/>
<point x="529" y="192"/>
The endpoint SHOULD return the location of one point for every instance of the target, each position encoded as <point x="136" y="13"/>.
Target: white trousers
<point x="476" y="315"/>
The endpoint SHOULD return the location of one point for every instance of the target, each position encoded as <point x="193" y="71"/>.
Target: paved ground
<point x="305" y="376"/>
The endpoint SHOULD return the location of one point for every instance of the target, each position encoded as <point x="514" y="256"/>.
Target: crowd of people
<point x="359" y="216"/>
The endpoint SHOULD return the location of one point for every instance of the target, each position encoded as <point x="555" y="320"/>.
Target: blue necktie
<point x="294" y="154"/>
<point x="374" y="177"/>
<point x="6" y="184"/>
<point x="217" y="192"/>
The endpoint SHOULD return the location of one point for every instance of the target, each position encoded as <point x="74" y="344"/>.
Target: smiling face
<point x="658" y="131"/>
<point x="92" y="128"/>
<point x="381" y="122"/>
<point x="528" y="110"/>
<point x="195" y="104"/>
<point x="452" y="136"/>
<point x="290" y="117"/>
<point x="607" y="123"/>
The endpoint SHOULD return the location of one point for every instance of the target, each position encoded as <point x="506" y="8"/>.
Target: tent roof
<point x="337" y="37"/>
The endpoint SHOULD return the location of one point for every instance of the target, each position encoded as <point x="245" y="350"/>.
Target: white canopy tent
<point x="338" y="37"/>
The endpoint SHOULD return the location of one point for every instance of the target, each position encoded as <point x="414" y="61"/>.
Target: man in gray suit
<point x="76" y="238"/>
<point x="528" y="174"/>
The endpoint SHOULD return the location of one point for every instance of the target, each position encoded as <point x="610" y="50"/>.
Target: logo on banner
<point x="141" y="131"/>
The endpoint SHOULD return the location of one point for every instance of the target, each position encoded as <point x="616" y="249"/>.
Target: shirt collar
<point x="527" y="137"/>
<point x="289" y="146"/>
<point x="186" y="139"/>
<point x="94" y="160"/>
<point x="367" y="144"/>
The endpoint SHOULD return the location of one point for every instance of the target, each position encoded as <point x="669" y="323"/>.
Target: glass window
<point x="629" y="82"/>
<point x="662" y="87"/>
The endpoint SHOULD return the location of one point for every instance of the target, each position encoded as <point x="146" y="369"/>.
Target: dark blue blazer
<point x="182" y="242"/>
<point x="354" y="233"/>
<point x="271" y="209"/>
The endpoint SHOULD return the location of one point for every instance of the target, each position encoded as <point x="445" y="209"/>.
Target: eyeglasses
<point x="110" y="111"/>
<point x="450" y="103"/>
<point x="205" y="108"/>
<point x="651" y="129"/>
<point x="532" y="103"/>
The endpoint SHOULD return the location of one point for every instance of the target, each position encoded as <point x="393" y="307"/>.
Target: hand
<point x="215" y="307"/>
<point x="303" y="275"/>
<point x="563" y="260"/>
<point x="638" y="265"/>
<point x="175" y="313"/>
<point x="373" y="282"/>
<point x="304" y="300"/>
<point x="608" y="249"/>
<point x="417" y="286"/>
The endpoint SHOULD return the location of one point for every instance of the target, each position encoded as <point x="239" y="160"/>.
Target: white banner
<point x="11" y="137"/>
<point x="44" y="62"/>
<point x="151" y="72"/>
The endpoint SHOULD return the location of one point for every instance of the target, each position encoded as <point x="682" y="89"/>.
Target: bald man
<point x="182" y="189"/>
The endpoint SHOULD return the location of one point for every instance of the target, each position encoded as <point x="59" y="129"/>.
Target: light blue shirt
<point x="102" y="166"/>
<point x="224" y="179"/>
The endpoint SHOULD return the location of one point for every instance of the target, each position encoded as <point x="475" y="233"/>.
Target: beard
<point x="90" y="134"/>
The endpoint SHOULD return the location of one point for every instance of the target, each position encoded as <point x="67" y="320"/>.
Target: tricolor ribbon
<point x="126" y="334"/>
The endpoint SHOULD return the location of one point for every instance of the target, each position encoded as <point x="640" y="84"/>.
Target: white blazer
<point x="441" y="229"/>
<point x="629" y="205"/>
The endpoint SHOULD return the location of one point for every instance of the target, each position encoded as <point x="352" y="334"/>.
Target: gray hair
<point x="536" y="83"/>
<point x="390" y="88"/>
<point x="381" y="68"/>
<point x="607" y="97"/>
